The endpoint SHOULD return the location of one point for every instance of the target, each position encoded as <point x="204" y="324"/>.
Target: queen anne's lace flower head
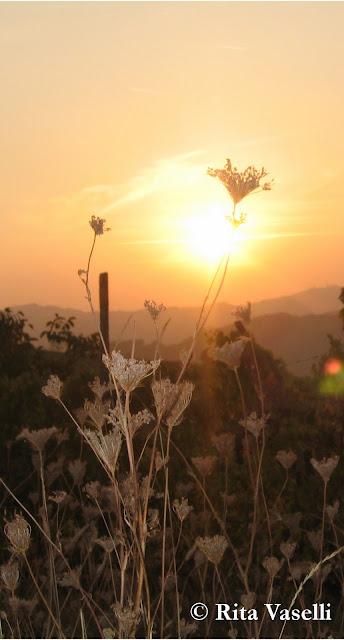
<point x="272" y="565"/>
<point x="230" y="353"/>
<point x="53" y="387"/>
<point x="325" y="467"/>
<point x="240" y="184"/>
<point x="10" y="575"/>
<point x="98" y="225"/>
<point x="154" y="309"/>
<point x="253" y="424"/>
<point x="286" y="458"/>
<point x="171" y="400"/>
<point x="18" y="532"/>
<point x="205" y="465"/>
<point x="129" y="372"/>
<point x="182" y="508"/>
<point x="37" y="438"/>
<point x="213" y="548"/>
<point x="106" y="446"/>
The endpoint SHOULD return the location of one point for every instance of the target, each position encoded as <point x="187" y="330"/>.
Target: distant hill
<point x="293" y="327"/>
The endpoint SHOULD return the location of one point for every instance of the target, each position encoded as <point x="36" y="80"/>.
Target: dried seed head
<point x="286" y="458"/>
<point x="97" y="224"/>
<point x="10" y="575"/>
<point x="253" y="424"/>
<point x="127" y="620"/>
<point x="71" y="579"/>
<point x="106" y="543"/>
<point x="129" y="372"/>
<point x="230" y="353"/>
<point x="77" y="469"/>
<point x="205" y="465"/>
<point x="288" y="549"/>
<point x="182" y="508"/>
<point x="154" y="309"/>
<point x="213" y="548"/>
<point x="240" y="184"/>
<point x="106" y="446"/>
<point x="53" y="387"/>
<point x="18" y="532"/>
<point x="224" y="443"/>
<point x="171" y="400"/>
<point x="272" y="565"/>
<point x="39" y="438"/>
<point x="325" y="467"/>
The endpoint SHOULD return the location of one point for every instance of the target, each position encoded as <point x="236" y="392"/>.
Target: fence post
<point x="104" y="307"/>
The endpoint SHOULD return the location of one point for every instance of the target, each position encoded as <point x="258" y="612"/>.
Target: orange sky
<point x="117" y="109"/>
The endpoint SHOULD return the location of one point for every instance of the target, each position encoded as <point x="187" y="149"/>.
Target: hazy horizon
<point x="117" y="110"/>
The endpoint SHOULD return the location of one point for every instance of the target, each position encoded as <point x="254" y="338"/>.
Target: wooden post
<point x="104" y="307"/>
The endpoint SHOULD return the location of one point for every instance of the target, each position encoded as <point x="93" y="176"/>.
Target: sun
<point x="209" y="235"/>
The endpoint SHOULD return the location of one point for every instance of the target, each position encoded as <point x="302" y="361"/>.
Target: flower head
<point x="205" y="465"/>
<point x="182" y="508"/>
<point x="224" y="444"/>
<point x="272" y="565"/>
<point x="286" y="458"/>
<point x="10" y="575"/>
<point x="288" y="549"/>
<point x="171" y="399"/>
<point x="240" y="184"/>
<point x="325" y="467"/>
<point x="254" y="424"/>
<point x="154" y="309"/>
<point x="53" y="387"/>
<point x="18" y="532"/>
<point x="37" y="438"/>
<point x="213" y="548"/>
<point x="230" y="353"/>
<point x="129" y="372"/>
<point x="97" y="224"/>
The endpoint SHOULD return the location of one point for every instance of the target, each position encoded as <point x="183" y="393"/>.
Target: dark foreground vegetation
<point x="246" y="510"/>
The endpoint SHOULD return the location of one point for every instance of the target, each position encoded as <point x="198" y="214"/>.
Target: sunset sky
<point x="118" y="109"/>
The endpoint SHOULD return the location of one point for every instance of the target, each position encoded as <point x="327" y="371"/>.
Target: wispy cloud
<point x="173" y="172"/>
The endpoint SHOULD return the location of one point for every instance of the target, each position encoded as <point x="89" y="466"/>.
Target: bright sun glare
<point x="209" y="235"/>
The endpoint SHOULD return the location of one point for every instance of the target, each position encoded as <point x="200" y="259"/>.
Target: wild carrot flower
<point x="126" y="619"/>
<point x="243" y="313"/>
<point x="97" y="412"/>
<point x="288" y="549"/>
<point x="171" y="400"/>
<point x="224" y="444"/>
<point x="154" y="309"/>
<point x="286" y="458"/>
<point x="71" y="579"/>
<point x="253" y="424"/>
<point x="272" y="565"/>
<point x="205" y="465"/>
<point x="10" y="575"/>
<point x="230" y="353"/>
<point x="213" y="548"/>
<point x="129" y="372"/>
<point x="240" y="184"/>
<point x="39" y="438"/>
<point x="18" y="532"/>
<point x="77" y="469"/>
<point x="106" y="446"/>
<point x="53" y="387"/>
<point x="325" y="467"/>
<point x="182" y="508"/>
<point x="97" y="224"/>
